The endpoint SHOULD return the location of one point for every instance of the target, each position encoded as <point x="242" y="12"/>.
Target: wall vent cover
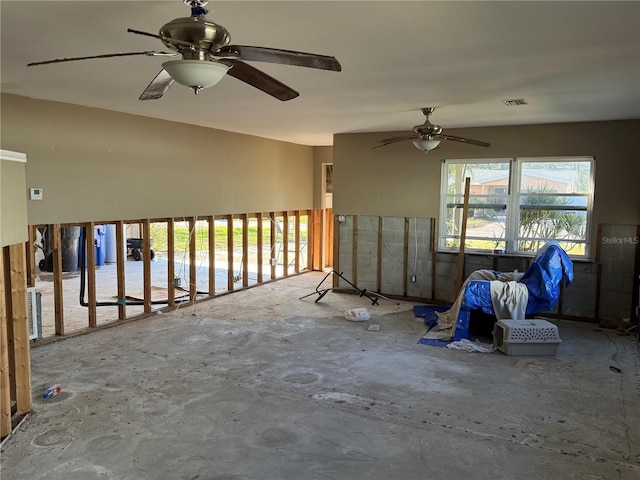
<point x="515" y="102"/>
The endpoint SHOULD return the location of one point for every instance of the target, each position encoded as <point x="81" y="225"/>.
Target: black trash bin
<point x="69" y="244"/>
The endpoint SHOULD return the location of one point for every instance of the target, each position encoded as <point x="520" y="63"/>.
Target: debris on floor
<point x="357" y="315"/>
<point x="469" y="346"/>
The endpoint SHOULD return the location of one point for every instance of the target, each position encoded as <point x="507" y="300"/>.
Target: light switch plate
<point x="35" y="193"/>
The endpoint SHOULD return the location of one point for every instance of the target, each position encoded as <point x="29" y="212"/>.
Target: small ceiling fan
<point x="207" y="57"/>
<point x="428" y="136"/>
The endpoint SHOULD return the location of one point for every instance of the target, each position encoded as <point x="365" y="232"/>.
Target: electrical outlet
<point x="177" y="282"/>
<point x="274" y="262"/>
<point x="413" y="279"/>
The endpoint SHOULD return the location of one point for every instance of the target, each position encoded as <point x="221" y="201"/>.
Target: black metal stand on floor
<point x="373" y="296"/>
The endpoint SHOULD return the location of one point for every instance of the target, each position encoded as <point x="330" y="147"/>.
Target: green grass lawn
<point x="201" y="233"/>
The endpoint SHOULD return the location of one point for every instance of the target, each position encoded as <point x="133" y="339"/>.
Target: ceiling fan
<point x="428" y="136"/>
<point x="207" y="57"/>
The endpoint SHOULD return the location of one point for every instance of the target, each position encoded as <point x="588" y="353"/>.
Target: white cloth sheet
<point x="508" y="297"/>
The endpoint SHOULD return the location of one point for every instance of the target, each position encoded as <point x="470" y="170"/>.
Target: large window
<point x="517" y="204"/>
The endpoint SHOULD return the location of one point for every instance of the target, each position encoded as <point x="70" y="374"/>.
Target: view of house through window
<point x="517" y="205"/>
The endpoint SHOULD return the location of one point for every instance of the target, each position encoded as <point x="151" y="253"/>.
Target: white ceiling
<point x="571" y="61"/>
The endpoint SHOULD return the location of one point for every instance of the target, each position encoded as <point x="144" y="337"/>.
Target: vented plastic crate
<point x="526" y="337"/>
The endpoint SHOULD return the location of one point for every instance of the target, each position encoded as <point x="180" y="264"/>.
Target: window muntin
<point x="550" y="198"/>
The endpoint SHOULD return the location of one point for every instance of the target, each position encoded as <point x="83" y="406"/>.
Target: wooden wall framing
<point x="15" y="360"/>
<point x="291" y="261"/>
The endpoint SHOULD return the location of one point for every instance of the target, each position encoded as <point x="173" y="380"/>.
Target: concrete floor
<point x="261" y="385"/>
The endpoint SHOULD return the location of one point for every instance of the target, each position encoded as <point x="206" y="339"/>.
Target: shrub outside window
<point x="516" y="205"/>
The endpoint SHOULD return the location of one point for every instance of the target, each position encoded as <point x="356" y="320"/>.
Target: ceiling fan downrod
<point x="197" y="7"/>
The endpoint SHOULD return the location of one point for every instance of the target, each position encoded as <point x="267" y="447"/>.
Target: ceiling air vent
<point x="515" y="102"/>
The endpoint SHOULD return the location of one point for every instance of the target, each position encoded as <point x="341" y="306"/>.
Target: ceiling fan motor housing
<point x="207" y="35"/>
<point x="427" y="129"/>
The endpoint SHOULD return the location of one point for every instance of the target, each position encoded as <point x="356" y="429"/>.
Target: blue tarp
<point x="543" y="279"/>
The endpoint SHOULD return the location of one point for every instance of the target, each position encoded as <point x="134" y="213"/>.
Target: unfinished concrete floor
<point x="261" y="385"/>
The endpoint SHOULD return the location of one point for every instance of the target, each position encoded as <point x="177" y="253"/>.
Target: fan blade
<point x="388" y="141"/>
<point x="158" y="86"/>
<point x="174" y="41"/>
<point x="275" y="55"/>
<point x="260" y="80"/>
<point x="470" y="141"/>
<point x="106" y="55"/>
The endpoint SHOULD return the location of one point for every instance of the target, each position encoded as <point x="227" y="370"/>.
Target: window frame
<point x="513" y="208"/>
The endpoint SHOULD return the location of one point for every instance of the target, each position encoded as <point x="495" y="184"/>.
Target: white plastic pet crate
<point x="526" y="337"/>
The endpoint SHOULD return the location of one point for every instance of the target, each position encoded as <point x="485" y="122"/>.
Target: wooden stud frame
<point x="5" y="378"/>
<point x="260" y="246"/>
<point x="273" y="234"/>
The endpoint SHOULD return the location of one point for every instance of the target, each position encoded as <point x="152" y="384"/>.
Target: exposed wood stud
<point x="311" y="239"/>
<point x="211" y="238"/>
<point x="285" y="243"/>
<point x="463" y="234"/>
<point x="193" y="280"/>
<point x="260" y="246"/>
<point x="273" y="237"/>
<point x="405" y="268"/>
<point x="121" y="258"/>
<point x="245" y="250"/>
<point x="354" y="260"/>
<point x="146" y="260"/>
<point x="230" y="252"/>
<point x="31" y="257"/>
<point x="315" y="240"/>
<point x="330" y="237"/>
<point x="21" y="350"/>
<point x="336" y="250"/>
<point x="171" y="267"/>
<point x="57" y="280"/>
<point x="5" y="388"/>
<point x="380" y="241"/>
<point x="434" y="256"/>
<point x="296" y="241"/>
<point x="89" y="242"/>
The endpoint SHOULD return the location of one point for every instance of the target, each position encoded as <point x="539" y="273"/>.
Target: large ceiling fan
<point x="207" y="57"/>
<point x="428" y="136"/>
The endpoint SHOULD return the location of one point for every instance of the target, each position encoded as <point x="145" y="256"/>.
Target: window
<point x="518" y="204"/>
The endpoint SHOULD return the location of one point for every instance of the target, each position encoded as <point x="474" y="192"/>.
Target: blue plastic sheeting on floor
<point x="428" y="312"/>
<point x="433" y="342"/>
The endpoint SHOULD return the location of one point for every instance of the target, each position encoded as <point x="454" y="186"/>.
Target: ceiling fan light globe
<point x="425" y="144"/>
<point x="195" y="73"/>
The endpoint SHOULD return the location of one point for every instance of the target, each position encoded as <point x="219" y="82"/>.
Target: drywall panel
<point x="100" y="165"/>
<point x="13" y="199"/>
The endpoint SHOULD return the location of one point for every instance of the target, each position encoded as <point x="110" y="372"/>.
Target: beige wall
<point x="399" y="180"/>
<point x="13" y="200"/>
<point x="97" y="165"/>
